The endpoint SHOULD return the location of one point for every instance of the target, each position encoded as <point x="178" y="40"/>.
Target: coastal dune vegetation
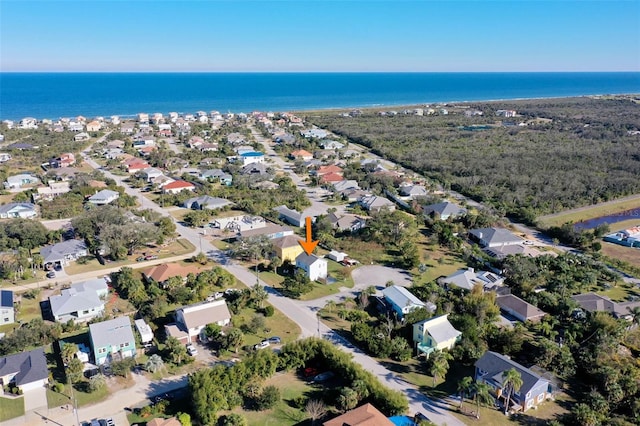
<point x="555" y="154"/>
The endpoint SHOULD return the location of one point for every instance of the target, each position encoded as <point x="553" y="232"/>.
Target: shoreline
<point x="352" y="107"/>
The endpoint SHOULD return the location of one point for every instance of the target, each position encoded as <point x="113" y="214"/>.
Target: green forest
<point x="554" y="155"/>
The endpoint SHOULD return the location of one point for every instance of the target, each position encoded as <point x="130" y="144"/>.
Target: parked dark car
<point x="274" y="339"/>
<point x="51" y="274"/>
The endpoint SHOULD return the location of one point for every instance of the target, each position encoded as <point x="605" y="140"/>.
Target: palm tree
<point x="464" y="386"/>
<point x="482" y="396"/>
<point x="512" y="381"/>
<point x="439" y="365"/>
<point x="635" y="315"/>
<point x="154" y="363"/>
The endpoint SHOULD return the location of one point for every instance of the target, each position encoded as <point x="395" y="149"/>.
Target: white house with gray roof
<point x="494" y="237"/>
<point x="467" y="279"/>
<point x="374" y="204"/>
<point x="191" y="320"/>
<point x="314" y="267"/>
<point x="26" y="370"/>
<point x="81" y="302"/>
<point x="112" y="340"/>
<point x="444" y="210"/>
<point x="18" y="210"/>
<point x="64" y="252"/>
<point x="20" y="180"/>
<point x="106" y="196"/>
<point x="206" y="202"/>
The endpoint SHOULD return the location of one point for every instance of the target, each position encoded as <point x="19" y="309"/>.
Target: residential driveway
<point x="378" y="276"/>
<point x="363" y="277"/>
<point x="35" y="398"/>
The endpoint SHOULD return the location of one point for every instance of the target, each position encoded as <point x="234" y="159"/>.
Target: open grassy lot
<point x="179" y="247"/>
<point x="590" y="212"/>
<point x="439" y="262"/>
<point x="11" y="408"/>
<point x="277" y="325"/>
<point x="628" y="254"/>
<point x="283" y="414"/>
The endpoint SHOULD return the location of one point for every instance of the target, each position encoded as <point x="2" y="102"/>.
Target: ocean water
<point x="55" y="95"/>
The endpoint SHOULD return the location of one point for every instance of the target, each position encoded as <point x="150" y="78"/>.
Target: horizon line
<point x="310" y="72"/>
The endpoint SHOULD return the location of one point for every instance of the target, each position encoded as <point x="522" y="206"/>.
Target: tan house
<point x="172" y="421"/>
<point x="94" y="126"/>
<point x="288" y="247"/>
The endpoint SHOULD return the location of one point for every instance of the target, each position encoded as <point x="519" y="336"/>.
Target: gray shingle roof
<point x="494" y="364"/>
<point x="444" y="209"/>
<point x="401" y="297"/>
<point x="6" y="208"/>
<point x="30" y="366"/>
<point x="60" y="250"/>
<point x="496" y="236"/>
<point x="74" y="299"/>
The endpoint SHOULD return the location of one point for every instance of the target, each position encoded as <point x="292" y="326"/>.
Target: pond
<point x="609" y="219"/>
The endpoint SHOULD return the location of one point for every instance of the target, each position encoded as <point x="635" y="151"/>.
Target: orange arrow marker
<point x="308" y="245"/>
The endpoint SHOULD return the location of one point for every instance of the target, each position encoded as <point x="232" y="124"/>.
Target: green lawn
<point x="277" y="325"/>
<point x="28" y="310"/>
<point x="439" y="262"/>
<point x="11" y="408"/>
<point x="55" y="399"/>
<point x="630" y="255"/>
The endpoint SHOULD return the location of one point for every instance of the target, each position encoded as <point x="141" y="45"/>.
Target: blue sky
<point x="301" y="35"/>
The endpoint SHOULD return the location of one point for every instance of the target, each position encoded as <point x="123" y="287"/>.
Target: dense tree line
<point x="583" y="156"/>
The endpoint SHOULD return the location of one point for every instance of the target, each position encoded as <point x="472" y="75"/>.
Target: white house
<point x="251" y="157"/>
<point x="81" y="302"/>
<point x="4" y="157"/>
<point x="336" y="255"/>
<point x="403" y="302"/>
<point x="191" y="320"/>
<point x="106" y="196"/>
<point x="18" y="181"/>
<point x="26" y="370"/>
<point x="7" y="312"/>
<point x="469" y="278"/>
<point x="19" y="210"/>
<point x="314" y="267"/>
<point x="64" y="252"/>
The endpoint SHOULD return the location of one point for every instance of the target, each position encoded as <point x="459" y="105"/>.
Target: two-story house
<point x="491" y="368"/>
<point x="112" y="340"/>
<point x="434" y="334"/>
<point x="314" y="267"/>
<point x="287" y="248"/>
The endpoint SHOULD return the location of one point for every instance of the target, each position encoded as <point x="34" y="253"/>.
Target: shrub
<point x="270" y="397"/>
<point x="58" y="387"/>
<point x="268" y="311"/>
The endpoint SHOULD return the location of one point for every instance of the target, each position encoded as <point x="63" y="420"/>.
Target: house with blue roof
<point x="251" y="157"/>
<point x="7" y="312"/>
<point x="26" y="370"/>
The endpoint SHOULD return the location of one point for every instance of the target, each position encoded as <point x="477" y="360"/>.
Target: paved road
<point x="306" y="319"/>
<point x="303" y="316"/>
